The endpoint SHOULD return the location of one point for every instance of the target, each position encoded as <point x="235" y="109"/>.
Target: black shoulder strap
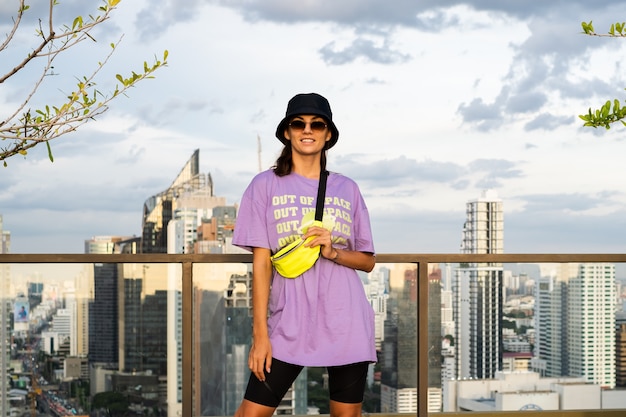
<point x="321" y="196"/>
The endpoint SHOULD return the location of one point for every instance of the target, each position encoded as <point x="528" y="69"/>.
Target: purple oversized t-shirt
<point x="323" y="317"/>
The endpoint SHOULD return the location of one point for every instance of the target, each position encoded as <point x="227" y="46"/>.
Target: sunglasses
<point x="315" y="126"/>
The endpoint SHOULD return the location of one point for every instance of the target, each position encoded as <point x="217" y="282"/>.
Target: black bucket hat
<point x="310" y="103"/>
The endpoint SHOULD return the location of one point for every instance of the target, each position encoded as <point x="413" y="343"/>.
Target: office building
<point x="107" y="244"/>
<point x="398" y="357"/>
<point x="575" y="322"/>
<point x="189" y="190"/>
<point x="551" y="307"/>
<point x="237" y="328"/>
<point x="398" y="362"/>
<point x="62" y="323"/>
<point x="101" y="318"/>
<point x="477" y="291"/>
<point x="377" y="292"/>
<point x="591" y="324"/>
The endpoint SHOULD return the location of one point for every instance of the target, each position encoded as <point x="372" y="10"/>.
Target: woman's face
<point x="308" y="134"/>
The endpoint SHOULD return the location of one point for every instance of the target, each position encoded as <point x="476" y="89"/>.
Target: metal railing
<point x="420" y="260"/>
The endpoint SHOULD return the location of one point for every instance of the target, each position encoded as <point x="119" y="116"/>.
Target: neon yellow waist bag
<point x="295" y="259"/>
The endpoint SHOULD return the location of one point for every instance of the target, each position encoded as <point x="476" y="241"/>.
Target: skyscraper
<point x="398" y="392"/>
<point x="103" y="317"/>
<point x="575" y="322"/>
<point x="189" y="190"/>
<point x="551" y="352"/>
<point x="5" y="323"/>
<point x="103" y="309"/>
<point x="591" y="324"/>
<point x="477" y="291"/>
<point x="434" y="338"/>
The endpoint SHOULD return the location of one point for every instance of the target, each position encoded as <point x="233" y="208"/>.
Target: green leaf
<point x="49" y="151"/>
<point x="587" y="27"/>
<point x="606" y="108"/>
<point x="78" y="23"/>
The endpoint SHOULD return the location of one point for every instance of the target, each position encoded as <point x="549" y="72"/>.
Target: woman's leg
<point x="338" y="409"/>
<point x="249" y="409"/>
<point x="262" y="398"/>
<point x="347" y="386"/>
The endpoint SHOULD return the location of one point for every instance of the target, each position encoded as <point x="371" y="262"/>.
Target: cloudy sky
<point x="435" y="102"/>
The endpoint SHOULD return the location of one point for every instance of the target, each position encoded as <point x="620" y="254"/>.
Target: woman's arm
<point x="362" y="261"/>
<point x="260" y="356"/>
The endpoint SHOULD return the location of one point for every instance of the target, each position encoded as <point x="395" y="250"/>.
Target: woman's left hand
<point x="321" y="237"/>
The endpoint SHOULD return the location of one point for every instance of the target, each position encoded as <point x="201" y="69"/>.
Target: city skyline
<point x="433" y="103"/>
<point x="482" y="232"/>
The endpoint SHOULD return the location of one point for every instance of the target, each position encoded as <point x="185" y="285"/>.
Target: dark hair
<point x="284" y="163"/>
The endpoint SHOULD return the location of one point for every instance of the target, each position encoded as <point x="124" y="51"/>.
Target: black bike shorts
<point x="346" y="383"/>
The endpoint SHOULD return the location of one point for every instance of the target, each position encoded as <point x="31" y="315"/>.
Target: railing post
<point x="187" y="333"/>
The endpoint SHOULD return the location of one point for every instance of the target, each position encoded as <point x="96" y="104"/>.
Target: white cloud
<point x="433" y="104"/>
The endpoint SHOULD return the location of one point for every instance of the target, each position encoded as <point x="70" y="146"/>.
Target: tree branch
<point x="16" y="24"/>
<point x="85" y="103"/>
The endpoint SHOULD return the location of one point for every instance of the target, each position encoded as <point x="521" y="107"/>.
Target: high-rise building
<point x="62" y="323"/>
<point x="189" y="190"/>
<point x="100" y="318"/>
<point x="83" y="292"/>
<point x="105" y="244"/>
<point x="398" y="391"/>
<point x="551" y="353"/>
<point x="575" y="322"/>
<point x="591" y="324"/>
<point x="5" y="323"/>
<point x="477" y="291"/>
<point x="434" y="339"/>
<point x="237" y="330"/>
<point x="103" y="317"/>
<point x="377" y="291"/>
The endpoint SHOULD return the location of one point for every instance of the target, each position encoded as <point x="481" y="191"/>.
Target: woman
<point x="322" y="317"/>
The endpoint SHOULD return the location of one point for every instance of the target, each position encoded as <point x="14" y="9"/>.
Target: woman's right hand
<point x="260" y="357"/>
